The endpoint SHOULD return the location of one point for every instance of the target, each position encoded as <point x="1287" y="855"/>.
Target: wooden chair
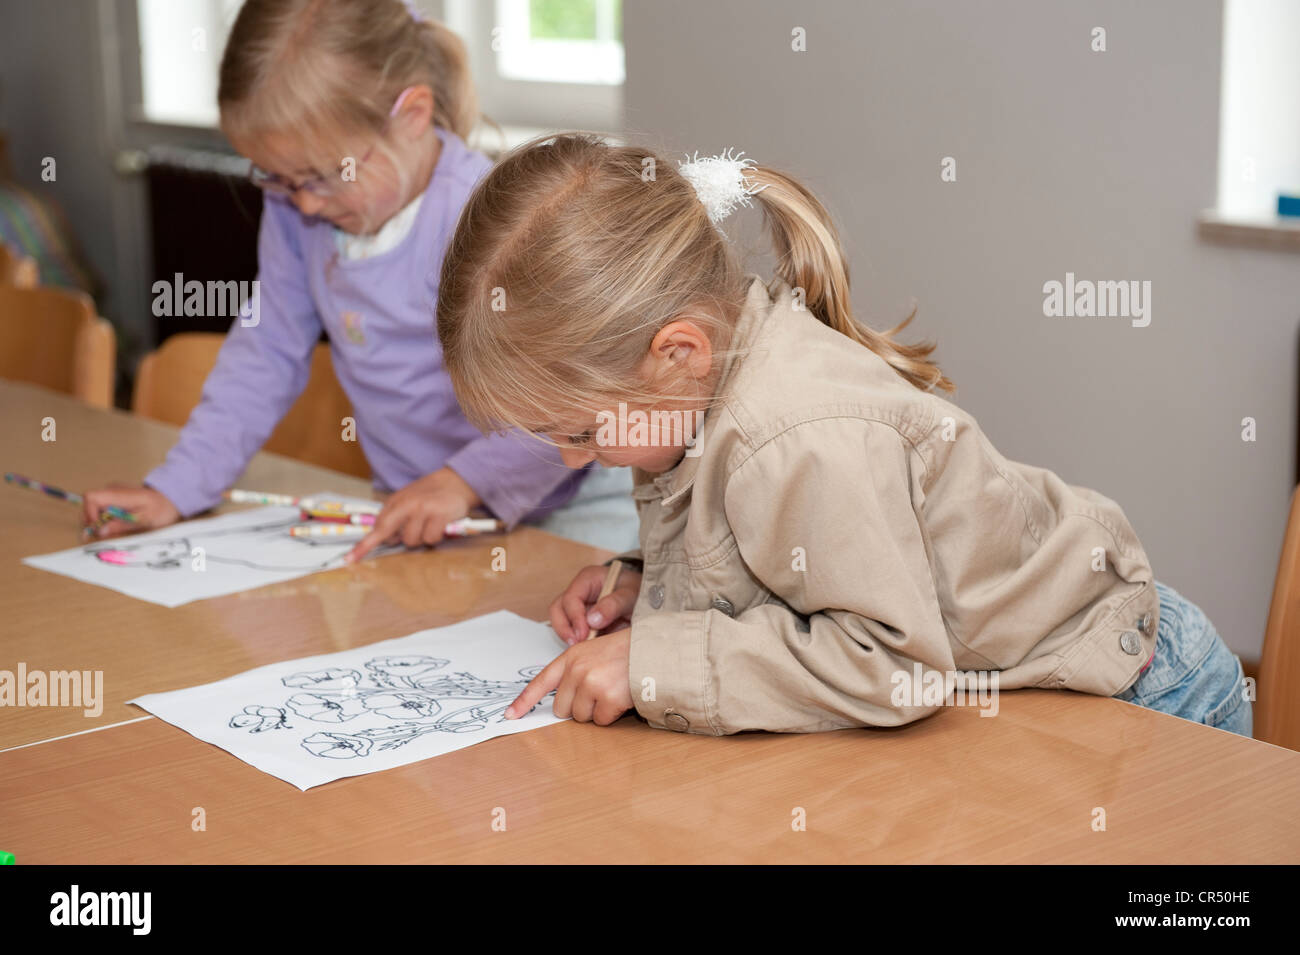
<point x="17" y="269"/>
<point x="52" y="337"/>
<point x="1277" y="707"/>
<point x="170" y="381"/>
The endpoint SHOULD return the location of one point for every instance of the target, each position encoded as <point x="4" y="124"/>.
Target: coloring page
<point x="313" y="720"/>
<point x="194" y="560"/>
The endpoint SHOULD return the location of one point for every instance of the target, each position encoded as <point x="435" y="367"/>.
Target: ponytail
<point x="810" y="257"/>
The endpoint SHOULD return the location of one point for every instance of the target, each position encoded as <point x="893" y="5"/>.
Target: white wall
<point x="1067" y="160"/>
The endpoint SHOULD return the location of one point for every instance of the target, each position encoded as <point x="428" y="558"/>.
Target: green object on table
<point x="7" y="858"/>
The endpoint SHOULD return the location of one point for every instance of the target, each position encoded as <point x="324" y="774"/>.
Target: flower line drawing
<point x="408" y="690"/>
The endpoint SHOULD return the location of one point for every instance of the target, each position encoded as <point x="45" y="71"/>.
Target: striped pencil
<point x="342" y="531"/>
<point x="71" y="497"/>
<point x="337" y="517"/>
<point x="465" y="527"/>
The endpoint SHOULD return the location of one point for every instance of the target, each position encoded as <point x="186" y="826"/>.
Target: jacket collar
<point x="674" y="484"/>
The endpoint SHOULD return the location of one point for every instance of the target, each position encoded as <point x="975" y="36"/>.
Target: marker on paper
<point x="238" y="496"/>
<point x="358" y="525"/>
<point x="473" y="526"/>
<point x="341" y="531"/>
<point x="337" y="517"/>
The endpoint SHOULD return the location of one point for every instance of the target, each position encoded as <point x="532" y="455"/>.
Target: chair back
<point x="169" y="383"/>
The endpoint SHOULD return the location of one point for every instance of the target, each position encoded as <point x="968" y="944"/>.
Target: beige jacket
<point x="839" y="526"/>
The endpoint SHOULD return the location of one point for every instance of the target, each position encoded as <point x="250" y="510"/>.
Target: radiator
<point x="203" y="217"/>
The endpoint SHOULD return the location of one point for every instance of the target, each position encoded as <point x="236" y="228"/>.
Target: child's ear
<point x="415" y="114"/>
<point x="681" y="346"/>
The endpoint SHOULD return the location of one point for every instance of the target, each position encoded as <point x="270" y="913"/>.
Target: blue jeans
<point x="1194" y="675"/>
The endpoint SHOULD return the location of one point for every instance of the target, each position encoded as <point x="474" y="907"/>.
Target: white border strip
<point x="93" y="729"/>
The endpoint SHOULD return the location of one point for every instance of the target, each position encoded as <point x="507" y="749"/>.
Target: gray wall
<point x="60" y="97"/>
<point x="1067" y="160"/>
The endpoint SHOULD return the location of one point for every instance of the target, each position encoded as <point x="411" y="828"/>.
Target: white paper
<point x="194" y="560"/>
<point x="313" y="720"/>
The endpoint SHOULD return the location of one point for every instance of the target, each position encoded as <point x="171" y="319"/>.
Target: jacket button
<point x="657" y="596"/>
<point x="1130" y="643"/>
<point x="723" y="605"/>
<point x="675" y="721"/>
<point x="1145" y="623"/>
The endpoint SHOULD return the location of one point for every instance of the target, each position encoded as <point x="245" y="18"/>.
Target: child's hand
<point x="590" y="680"/>
<point x="418" y="513"/>
<point x="151" y="509"/>
<point x="577" y="613"/>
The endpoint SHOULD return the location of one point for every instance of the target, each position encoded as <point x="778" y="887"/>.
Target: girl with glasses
<point x="354" y="117"/>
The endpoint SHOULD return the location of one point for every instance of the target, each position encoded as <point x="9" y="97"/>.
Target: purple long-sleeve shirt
<point x="379" y="315"/>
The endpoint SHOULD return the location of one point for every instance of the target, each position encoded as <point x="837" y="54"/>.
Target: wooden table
<point x="1021" y="787"/>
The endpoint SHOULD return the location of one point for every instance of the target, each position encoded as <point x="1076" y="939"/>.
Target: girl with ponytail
<point x="826" y="542"/>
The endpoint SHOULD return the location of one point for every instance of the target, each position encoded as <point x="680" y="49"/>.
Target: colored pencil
<point x="607" y="588"/>
<point x="71" y="497"/>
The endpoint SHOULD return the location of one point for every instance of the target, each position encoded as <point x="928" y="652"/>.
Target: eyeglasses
<point x="316" y="185"/>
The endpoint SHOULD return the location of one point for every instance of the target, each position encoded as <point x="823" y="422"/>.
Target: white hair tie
<point x="720" y="182"/>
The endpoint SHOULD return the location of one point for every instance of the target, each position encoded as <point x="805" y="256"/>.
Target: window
<point x="543" y="65"/>
<point x="180" y="50"/>
<point x="1259" y="151"/>
<point x="560" y="41"/>
<point x="538" y="65"/>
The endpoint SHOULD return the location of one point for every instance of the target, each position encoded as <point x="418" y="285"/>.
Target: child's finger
<point x="363" y="547"/>
<point x="560" y="620"/>
<point x="614" y="626"/>
<point x="412" y="532"/>
<point x="92" y="506"/>
<point x="435" y="529"/>
<point x="111" y="528"/>
<point x="574" y="606"/>
<point x="385" y="525"/>
<point x="606" y="713"/>
<point x="562" y="705"/>
<point x="537" y="688"/>
<point x="580" y="705"/>
<point x="607" y="609"/>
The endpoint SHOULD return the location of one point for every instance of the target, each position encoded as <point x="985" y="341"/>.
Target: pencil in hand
<point x="111" y="512"/>
<point x="607" y="588"/>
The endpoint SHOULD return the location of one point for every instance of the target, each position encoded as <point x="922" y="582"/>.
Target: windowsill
<point x="1263" y="232"/>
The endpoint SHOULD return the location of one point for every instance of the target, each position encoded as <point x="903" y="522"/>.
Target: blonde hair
<point x="570" y="257"/>
<point x="319" y="67"/>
